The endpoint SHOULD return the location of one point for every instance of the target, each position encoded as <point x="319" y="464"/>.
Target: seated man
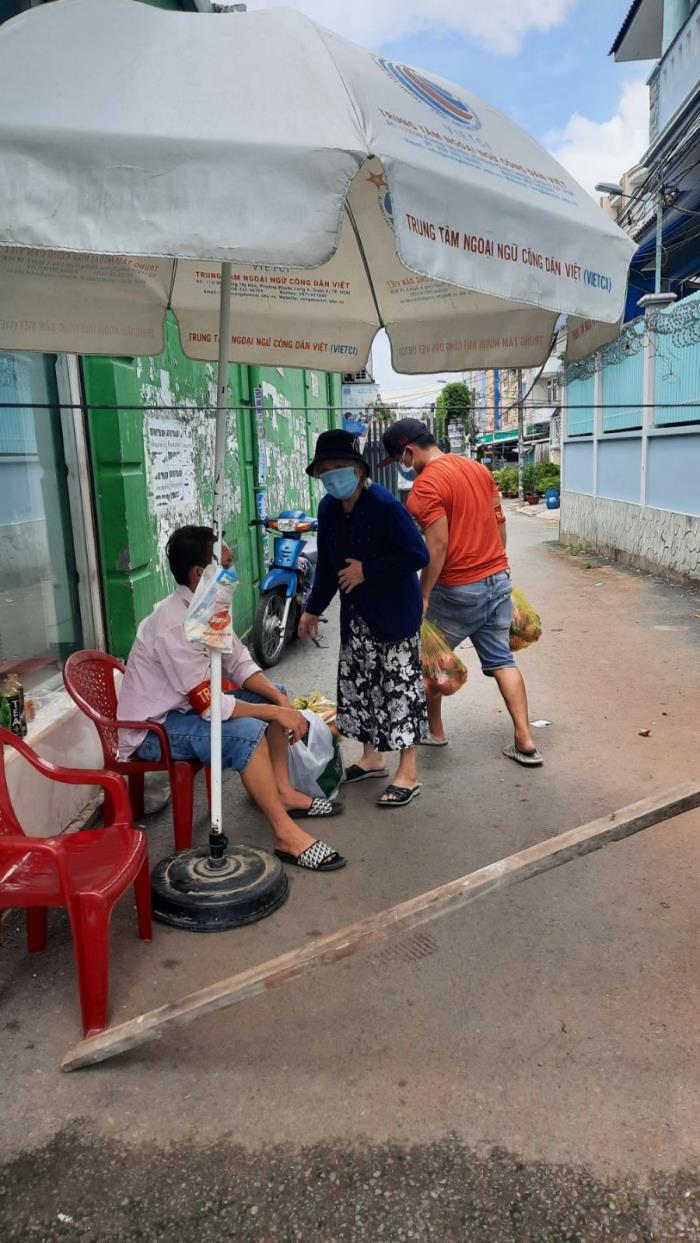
<point x="167" y="681"/>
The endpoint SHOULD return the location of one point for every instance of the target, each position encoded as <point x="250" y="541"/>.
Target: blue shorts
<point x="190" y="737"/>
<point x="481" y="612"/>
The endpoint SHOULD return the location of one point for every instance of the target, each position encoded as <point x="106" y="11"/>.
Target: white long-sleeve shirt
<point x="163" y="667"/>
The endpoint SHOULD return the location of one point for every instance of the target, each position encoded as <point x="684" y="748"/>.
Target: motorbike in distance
<point x="286" y="584"/>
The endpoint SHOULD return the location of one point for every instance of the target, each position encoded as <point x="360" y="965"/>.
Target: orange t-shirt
<point x="462" y="491"/>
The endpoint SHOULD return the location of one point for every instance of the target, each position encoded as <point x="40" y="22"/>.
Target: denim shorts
<point x="190" y="737"/>
<point x="481" y="612"/>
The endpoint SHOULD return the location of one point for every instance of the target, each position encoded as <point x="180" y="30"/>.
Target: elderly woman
<point x="370" y="548"/>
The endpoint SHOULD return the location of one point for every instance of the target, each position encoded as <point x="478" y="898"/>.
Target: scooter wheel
<point x="267" y="636"/>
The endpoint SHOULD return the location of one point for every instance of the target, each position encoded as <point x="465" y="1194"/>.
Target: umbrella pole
<point x="217" y="841"/>
<point x="212" y="888"/>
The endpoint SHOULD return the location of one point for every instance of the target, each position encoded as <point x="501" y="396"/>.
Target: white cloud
<point x="603" y="150"/>
<point x="496" y="24"/>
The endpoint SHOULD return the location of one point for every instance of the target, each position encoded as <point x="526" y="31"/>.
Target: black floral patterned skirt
<point x="381" y="697"/>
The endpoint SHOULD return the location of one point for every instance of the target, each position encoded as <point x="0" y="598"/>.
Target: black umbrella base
<point x="189" y="893"/>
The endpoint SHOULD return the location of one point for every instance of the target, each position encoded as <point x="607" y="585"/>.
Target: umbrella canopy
<point x="140" y="148"/>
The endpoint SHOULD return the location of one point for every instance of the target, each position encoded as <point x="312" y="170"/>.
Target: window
<point x="39" y="611"/>
<point x="553" y="392"/>
<point x="357" y="377"/>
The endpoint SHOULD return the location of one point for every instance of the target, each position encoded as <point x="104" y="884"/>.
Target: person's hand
<point x="352" y="575"/>
<point x="295" y="723"/>
<point x="426" y="606"/>
<point x="308" y="626"/>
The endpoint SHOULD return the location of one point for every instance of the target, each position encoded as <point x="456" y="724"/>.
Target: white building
<point x="542" y="413"/>
<point x="359" y="395"/>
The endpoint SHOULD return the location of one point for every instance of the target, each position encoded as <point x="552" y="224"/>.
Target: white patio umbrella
<point x="286" y="194"/>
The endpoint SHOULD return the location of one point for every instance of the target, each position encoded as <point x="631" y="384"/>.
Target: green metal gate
<point x="152" y="456"/>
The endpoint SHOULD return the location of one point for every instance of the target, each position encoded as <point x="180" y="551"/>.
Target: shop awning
<point x="680" y="251"/>
<point x="538" y="422"/>
<point x="490" y="438"/>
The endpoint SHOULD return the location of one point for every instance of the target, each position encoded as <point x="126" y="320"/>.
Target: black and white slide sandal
<point x="318" y="857"/>
<point x="320" y="807"/>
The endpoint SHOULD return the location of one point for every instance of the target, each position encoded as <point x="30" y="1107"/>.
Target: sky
<point x="544" y="63"/>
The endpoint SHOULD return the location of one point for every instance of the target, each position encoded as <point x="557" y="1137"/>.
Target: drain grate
<point x="420" y="945"/>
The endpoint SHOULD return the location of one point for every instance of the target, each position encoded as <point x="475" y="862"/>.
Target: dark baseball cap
<point x="399" y="434"/>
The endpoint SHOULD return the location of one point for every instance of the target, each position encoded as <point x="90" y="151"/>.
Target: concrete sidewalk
<point x="525" y="1070"/>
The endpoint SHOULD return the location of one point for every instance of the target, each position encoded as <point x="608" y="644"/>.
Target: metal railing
<point x="374" y="451"/>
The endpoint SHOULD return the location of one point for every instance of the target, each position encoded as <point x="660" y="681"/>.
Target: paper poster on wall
<point x="260" y="431"/>
<point x="171" y="477"/>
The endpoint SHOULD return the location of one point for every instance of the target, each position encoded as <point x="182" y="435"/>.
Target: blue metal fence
<point x="579" y="421"/>
<point x="645" y="448"/>
<point x="677" y="376"/>
<point x="622" y="389"/>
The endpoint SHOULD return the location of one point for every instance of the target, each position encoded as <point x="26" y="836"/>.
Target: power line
<point x="644" y="191"/>
<point x="683" y="241"/>
<point x="683" y="172"/>
<point x="284" y="409"/>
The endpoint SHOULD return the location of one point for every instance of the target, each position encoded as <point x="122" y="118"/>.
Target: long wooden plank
<point x="367" y="932"/>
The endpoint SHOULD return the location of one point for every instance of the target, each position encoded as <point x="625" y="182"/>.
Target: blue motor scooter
<point x="286" y="585"/>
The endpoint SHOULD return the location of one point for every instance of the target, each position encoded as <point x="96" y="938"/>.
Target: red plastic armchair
<point x="89" y="680"/>
<point x="86" y="872"/>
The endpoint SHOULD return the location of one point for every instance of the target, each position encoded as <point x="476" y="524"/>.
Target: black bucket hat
<point x="336" y="446"/>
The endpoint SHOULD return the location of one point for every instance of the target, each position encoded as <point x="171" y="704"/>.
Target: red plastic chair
<point x="86" y="872"/>
<point x="89" y="680"/>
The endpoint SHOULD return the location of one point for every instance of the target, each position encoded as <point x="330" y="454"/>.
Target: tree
<point x="456" y="402"/>
<point x="384" y="411"/>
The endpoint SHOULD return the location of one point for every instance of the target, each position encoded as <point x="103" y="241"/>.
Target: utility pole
<point x="659" y="235"/>
<point x="496" y="399"/>
<point x="611" y="188"/>
<point x="521" y="439"/>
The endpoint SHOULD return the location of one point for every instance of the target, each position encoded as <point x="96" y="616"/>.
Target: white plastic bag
<point x="209" y="618"/>
<point x="309" y="758"/>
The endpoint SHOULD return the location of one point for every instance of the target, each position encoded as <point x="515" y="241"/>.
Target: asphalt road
<point x="524" y="1070"/>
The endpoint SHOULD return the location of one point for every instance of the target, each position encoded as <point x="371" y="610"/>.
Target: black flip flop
<point x="355" y="773"/>
<point x="406" y="796"/>
<point x="321" y="808"/>
<point x="318" y="857"/>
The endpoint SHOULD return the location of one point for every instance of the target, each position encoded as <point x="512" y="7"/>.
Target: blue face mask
<point x="340" y="483"/>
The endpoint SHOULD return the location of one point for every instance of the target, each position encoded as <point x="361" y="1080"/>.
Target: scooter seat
<point x="310" y="550"/>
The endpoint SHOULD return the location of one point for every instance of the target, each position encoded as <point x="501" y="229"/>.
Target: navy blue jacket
<point x="382" y="535"/>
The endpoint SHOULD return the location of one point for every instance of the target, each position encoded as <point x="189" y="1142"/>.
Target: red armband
<point x="200" y="696"/>
<point x="500" y="516"/>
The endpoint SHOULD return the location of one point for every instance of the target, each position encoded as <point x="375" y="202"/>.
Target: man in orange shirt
<point x="466" y="585"/>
